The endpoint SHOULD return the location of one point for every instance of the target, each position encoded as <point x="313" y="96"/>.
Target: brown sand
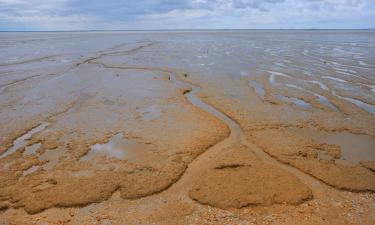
<point x="203" y="149"/>
<point x="239" y="179"/>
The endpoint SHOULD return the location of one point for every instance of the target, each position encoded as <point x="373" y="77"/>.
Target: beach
<point x="187" y="127"/>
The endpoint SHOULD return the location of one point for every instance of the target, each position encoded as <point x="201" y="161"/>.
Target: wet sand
<point x="256" y="127"/>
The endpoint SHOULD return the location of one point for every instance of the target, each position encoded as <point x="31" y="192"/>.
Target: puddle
<point x="22" y="141"/>
<point x="321" y="85"/>
<point x="369" y="108"/>
<point x="150" y="113"/>
<point x="271" y="78"/>
<point x="258" y="88"/>
<point x="295" y="101"/>
<point x="29" y="150"/>
<point x="354" y="148"/>
<point x="117" y="147"/>
<point x="30" y="170"/>
<point x="335" y="79"/>
<point x="52" y="156"/>
<point x="323" y="100"/>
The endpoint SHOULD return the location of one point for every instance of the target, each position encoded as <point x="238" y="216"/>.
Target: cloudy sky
<point x="184" y="14"/>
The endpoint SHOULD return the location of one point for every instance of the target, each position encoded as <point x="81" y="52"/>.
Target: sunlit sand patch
<point x="23" y="140"/>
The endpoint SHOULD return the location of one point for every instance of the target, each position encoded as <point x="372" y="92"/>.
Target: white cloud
<point x="170" y="14"/>
<point x="42" y="15"/>
<point x="48" y="22"/>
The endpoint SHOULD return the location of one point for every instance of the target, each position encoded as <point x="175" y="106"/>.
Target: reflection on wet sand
<point x="354" y="147"/>
<point x="21" y="142"/>
<point x="149" y="124"/>
<point x="118" y="147"/>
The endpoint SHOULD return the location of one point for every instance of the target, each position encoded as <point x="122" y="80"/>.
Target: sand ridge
<point x="212" y="147"/>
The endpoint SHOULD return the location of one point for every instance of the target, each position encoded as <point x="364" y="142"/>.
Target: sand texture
<point x="244" y="127"/>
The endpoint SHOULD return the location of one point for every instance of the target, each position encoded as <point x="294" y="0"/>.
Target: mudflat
<point x="193" y="127"/>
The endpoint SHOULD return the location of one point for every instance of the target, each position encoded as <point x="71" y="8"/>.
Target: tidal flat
<point x="187" y="127"/>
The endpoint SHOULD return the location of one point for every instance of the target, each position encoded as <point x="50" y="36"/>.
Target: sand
<point x="186" y="128"/>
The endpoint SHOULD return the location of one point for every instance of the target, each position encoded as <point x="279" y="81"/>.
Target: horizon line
<point x="229" y="29"/>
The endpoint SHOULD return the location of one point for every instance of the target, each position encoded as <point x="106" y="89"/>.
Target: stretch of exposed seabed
<point x="246" y="127"/>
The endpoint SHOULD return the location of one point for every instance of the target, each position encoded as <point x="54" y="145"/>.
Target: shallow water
<point x="258" y="88"/>
<point x="22" y="141"/>
<point x="31" y="170"/>
<point x="321" y="57"/>
<point x="321" y="85"/>
<point x="104" y="98"/>
<point x="295" y="101"/>
<point x="115" y="147"/>
<point x="354" y="148"/>
<point x="323" y="100"/>
<point x="32" y="149"/>
<point x="118" y="147"/>
<point x="367" y="107"/>
<point x="318" y="62"/>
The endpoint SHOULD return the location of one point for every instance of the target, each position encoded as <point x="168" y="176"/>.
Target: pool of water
<point x="22" y="141"/>
<point x="354" y="148"/>
<point x="258" y="88"/>
<point x="295" y="101"/>
<point x="120" y="148"/>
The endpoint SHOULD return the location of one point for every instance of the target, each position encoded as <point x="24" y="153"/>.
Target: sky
<point x="45" y="15"/>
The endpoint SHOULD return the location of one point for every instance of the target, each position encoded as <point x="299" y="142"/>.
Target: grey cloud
<point x="235" y="4"/>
